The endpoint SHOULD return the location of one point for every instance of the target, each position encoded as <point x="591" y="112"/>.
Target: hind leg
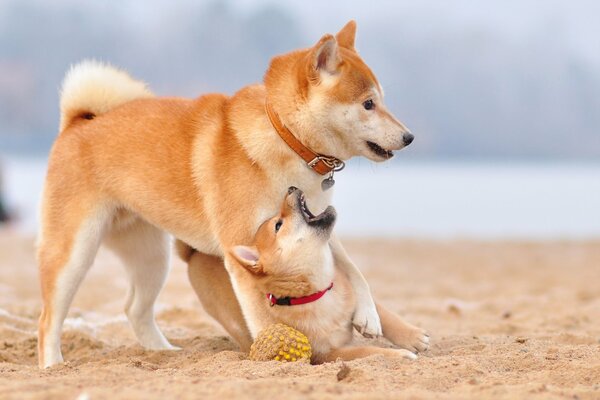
<point x="66" y="251"/>
<point x="212" y="284"/>
<point x="352" y="353"/>
<point x="145" y="252"/>
<point x="401" y="333"/>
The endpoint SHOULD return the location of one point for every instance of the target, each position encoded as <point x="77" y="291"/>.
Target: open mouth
<point x="325" y="220"/>
<point x="380" y="151"/>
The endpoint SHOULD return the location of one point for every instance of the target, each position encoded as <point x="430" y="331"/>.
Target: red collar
<point x="294" y="301"/>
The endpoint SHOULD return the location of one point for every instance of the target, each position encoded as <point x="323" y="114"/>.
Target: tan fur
<point x="294" y="261"/>
<point x="212" y="280"/>
<point x="128" y="166"/>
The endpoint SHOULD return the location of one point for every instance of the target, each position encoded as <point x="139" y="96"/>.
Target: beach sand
<point x="507" y="320"/>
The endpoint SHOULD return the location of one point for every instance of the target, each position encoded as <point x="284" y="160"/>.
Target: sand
<point x="507" y="320"/>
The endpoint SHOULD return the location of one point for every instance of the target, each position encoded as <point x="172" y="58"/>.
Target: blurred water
<point x="441" y="200"/>
<point x="23" y="180"/>
<point x="471" y="200"/>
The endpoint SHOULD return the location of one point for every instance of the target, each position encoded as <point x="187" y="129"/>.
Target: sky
<point x="575" y="21"/>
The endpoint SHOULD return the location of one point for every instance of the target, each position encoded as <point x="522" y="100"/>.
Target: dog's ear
<point x="324" y="58"/>
<point x="248" y="257"/>
<point x="345" y="37"/>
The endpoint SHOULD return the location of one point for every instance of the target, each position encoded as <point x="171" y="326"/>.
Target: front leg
<point x="366" y="319"/>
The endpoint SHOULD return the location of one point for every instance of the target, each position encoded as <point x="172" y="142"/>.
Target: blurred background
<point x="502" y="96"/>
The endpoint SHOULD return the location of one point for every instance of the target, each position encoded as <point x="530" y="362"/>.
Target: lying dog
<point x="128" y="167"/>
<point x="289" y="276"/>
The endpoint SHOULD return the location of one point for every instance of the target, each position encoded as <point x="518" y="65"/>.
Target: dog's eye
<point x="278" y="225"/>
<point x="369" y="105"/>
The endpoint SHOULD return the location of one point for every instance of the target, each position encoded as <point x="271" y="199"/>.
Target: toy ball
<point x="280" y="342"/>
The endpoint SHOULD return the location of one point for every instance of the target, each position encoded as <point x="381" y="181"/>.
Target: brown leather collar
<point x="317" y="162"/>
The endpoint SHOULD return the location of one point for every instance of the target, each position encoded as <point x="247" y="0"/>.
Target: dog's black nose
<point x="292" y="189"/>
<point x="408" y="138"/>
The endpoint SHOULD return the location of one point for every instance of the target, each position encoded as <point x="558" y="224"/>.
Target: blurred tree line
<point x="465" y="92"/>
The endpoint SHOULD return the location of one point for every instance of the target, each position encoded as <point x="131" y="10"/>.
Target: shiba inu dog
<point x="129" y="168"/>
<point x="289" y="276"/>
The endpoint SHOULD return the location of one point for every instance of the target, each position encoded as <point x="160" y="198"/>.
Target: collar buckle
<point x="335" y="164"/>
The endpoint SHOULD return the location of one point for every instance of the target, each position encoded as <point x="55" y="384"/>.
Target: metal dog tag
<point x="328" y="183"/>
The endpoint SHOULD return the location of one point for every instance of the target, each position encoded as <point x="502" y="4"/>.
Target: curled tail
<point x="91" y="88"/>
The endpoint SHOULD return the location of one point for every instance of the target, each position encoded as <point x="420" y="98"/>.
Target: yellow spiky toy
<point x="280" y="342"/>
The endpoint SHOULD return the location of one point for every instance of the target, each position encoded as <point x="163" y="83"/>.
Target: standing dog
<point x="289" y="276"/>
<point x="128" y="167"/>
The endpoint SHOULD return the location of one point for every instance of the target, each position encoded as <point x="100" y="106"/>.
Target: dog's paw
<point x="366" y="321"/>
<point x="411" y="338"/>
<point x="158" y="343"/>
<point x="399" y="354"/>
<point x="405" y="354"/>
